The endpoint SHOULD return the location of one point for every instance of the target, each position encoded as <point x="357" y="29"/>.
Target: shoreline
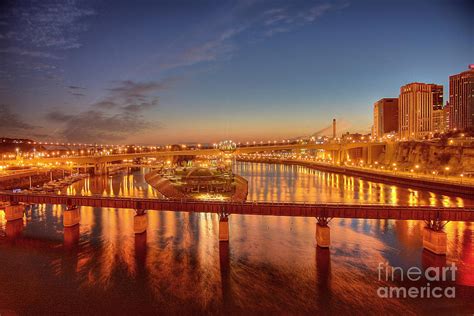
<point x="22" y="180"/>
<point x="433" y="185"/>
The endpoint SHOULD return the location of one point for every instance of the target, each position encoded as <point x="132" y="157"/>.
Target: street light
<point x="447" y="170"/>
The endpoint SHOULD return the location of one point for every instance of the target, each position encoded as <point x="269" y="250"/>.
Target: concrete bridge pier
<point x="343" y="156"/>
<point x="14" y="228"/>
<point x="430" y="259"/>
<point x="140" y="221"/>
<point x="141" y="254"/>
<point x="336" y="157"/>
<point x="224" y="227"/>
<point x="434" y="238"/>
<point x="323" y="276"/>
<point x="367" y="155"/>
<point x="100" y="169"/>
<point x="71" y="236"/>
<point x="71" y="216"/>
<point x="224" y="264"/>
<point x="14" y="212"/>
<point x="323" y="233"/>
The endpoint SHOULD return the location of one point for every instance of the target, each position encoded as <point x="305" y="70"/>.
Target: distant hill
<point x="23" y="144"/>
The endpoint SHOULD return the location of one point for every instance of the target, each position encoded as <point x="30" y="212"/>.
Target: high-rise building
<point x="461" y="99"/>
<point x="447" y="116"/>
<point x="439" y="119"/>
<point x="415" y="109"/>
<point x="385" y="117"/>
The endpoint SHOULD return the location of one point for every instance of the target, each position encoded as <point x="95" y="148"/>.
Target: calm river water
<point x="271" y="264"/>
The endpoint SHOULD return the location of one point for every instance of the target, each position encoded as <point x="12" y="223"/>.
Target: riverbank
<point x="434" y="184"/>
<point x="23" y="179"/>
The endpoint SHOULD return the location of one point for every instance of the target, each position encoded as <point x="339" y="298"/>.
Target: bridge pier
<point x="434" y="238"/>
<point x="223" y="227"/>
<point x="14" y="212"/>
<point x="71" y="216"/>
<point x="323" y="232"/>
<point x="140" y="222"/>
<point x="366" y="155"/>
<point x="71" y="236"/>
<point x="336" y="157"/>
<point x="100" y="169"/>
<point x="14" y="228"/>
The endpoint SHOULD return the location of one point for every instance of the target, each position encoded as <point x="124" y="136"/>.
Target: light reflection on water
<point x="271" y="182"/>
<point x="270" y="263"/>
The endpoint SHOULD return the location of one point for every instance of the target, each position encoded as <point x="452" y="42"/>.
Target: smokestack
<point x="334" y="128"/>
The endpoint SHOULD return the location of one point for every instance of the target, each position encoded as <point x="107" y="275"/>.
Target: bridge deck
<point x="368" y="211"/>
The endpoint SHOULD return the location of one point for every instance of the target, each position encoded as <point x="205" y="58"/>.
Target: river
<point x="271" y="264"/>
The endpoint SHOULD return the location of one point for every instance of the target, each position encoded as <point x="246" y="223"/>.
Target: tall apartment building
<point x="461" y="99"/>
<point x="415" y="111"/>
<point x="385" y="117"/>
<point x="447" y="116"/>
<point x="439" y="119"/>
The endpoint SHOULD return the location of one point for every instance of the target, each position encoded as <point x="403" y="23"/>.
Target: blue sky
<point x="155" y="72"/>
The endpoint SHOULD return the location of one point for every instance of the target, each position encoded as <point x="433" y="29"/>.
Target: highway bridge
<point x="337" y="150"/>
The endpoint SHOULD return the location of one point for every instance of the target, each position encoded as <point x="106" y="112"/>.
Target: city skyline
<point x="242" y="70"/>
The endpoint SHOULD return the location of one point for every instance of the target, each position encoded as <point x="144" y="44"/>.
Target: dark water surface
<point x="270" y="264"/>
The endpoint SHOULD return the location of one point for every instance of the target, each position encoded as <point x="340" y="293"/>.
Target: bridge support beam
<point x="223" y="227"/>
<point x="14" y="212"/>
<point x="434" y="238"/>
<point x="323" y="232"/>
<point x="100" y="169"/>
<point x="71" y="216"/>
<point x="140" y="222"/>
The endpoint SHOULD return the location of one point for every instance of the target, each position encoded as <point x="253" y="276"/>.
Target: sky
<point x="162" y="72"/>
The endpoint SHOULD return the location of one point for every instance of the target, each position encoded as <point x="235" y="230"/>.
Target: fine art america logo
<point x="419" y="289"/>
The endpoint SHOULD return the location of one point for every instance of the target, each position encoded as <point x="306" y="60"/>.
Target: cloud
<point x="11" y="123"/>
<point x="40" y="29"/>
<point x="257" y="21"/>
<point x="120" y="114"/>
<point x="132" y="90"/>
<point x="76" y="91"/>
<point x="282" y="20"/>
<point x="276" y="30"/>
<point x="317" y="11"/>
<point x="218" y="47"/>
<point x="141" y="106"/>
<point x="131" y="96"/>
<point x="25" y="52"/>
<point x="76" y="88"/>
<point x="47" y="23"/>
<point x="43" y="67"/>
<point x="105" y="105"/>
<point x="95" y="125"/>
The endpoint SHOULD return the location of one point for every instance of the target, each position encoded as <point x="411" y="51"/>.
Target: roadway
<point x="97" y="159"/>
